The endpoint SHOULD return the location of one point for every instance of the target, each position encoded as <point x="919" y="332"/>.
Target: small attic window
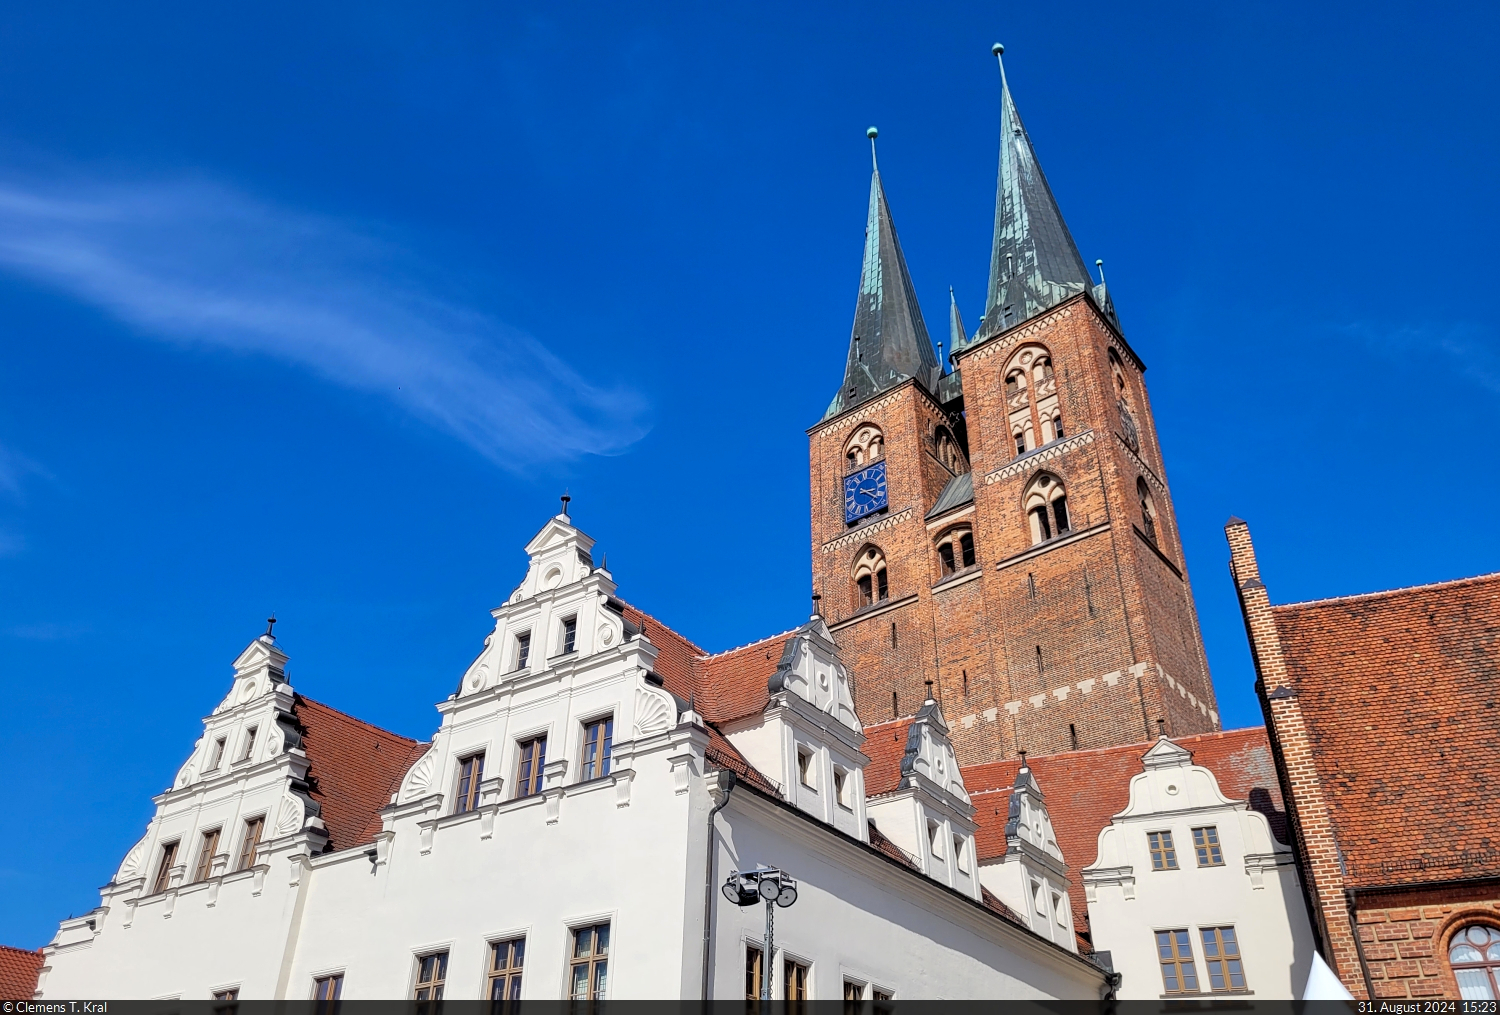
<point x="805" y="767"/>
<point x="958" y="853"/>
<point x="935" y="839"/>
<point x="569" y="635"/>
<point x="218" y="755"/>
<point x="249" y="744"/>
<point x="841" y="787"/>
<point x="523" y="649"/>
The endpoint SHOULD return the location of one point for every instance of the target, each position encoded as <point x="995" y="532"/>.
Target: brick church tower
<point x="1001" y="524"/>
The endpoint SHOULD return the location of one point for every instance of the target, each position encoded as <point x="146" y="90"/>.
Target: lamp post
<point x="777" y="888"/>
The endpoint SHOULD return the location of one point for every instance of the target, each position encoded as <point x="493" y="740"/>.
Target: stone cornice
<point x="855" y="535"/>
<point x="1045" y="453"/>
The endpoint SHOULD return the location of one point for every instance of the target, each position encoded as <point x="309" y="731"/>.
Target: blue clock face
<point x="864" y="492"/>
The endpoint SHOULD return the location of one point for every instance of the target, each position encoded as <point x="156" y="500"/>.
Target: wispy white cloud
<point x="198" y="263"/>
<point x="1467" y="349"/>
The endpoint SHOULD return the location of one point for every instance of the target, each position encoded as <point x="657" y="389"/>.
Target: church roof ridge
<point x="753" y="644"/>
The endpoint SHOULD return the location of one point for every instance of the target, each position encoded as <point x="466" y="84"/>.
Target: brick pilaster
<point x="1307" y="808"/>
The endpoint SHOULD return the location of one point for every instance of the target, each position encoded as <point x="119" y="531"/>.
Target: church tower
<point x="1001" y="524"/>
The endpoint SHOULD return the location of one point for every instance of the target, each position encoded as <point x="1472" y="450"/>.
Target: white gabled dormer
<point x="808" y="737"/>
<point x="1183" y="855"/>
<point x="929" y="814"/>
<point x="1031" y="877"/>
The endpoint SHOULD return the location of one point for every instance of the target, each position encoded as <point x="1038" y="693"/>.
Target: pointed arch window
<point x="1148" y="508"/>
<point x="866" y="445"/>
<point x="945" y="446"/>
<point x="1031" y="399"/>
<point x="870" y="582"/>
<point x="1046" y="505"/>
<point x="955" y="551"/>
<point x="1122" y="403"/>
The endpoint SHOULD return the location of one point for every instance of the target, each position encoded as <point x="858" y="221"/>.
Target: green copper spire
<point x="1034" y="264"/>
<point x="957" y="337"/>
<point x="889" y="343"/>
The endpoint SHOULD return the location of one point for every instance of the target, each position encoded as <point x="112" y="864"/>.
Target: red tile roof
<point x="355" y="769"/>
<point x="885" y="743"/>
<point x="1084" y="789"/>
<point x="1400" y="692"/>
<point x="879" y="841"/>
<point x="18" y="972"/>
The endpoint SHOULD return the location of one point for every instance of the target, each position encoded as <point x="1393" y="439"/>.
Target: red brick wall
<point x="1104" y="605"/>
<point x="1405" y="938"/>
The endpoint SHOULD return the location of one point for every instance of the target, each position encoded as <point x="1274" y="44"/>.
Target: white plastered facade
<point x="637" y="848"/>
<point x="1254" y="889"/>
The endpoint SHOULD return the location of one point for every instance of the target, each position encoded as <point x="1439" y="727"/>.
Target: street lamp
<point x="777" y="888"/>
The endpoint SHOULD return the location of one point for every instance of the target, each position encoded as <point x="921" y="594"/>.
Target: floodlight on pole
<point x="777" y="888"/>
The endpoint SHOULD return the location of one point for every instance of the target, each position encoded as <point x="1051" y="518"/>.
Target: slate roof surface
<point x="1084" y="789"/>
<point x="1400" y="692"/>
<point x="355" y="768"/>
<point x="958" y="492"/>
<point x="18" y="973"/>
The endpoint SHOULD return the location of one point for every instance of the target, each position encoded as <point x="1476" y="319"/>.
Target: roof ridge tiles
<point x="750" y="644"/>
<point x="1492" y="576"/>
<point x="355" y="718"/>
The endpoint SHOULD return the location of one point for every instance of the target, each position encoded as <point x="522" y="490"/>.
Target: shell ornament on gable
<point x="419" y="778"/>
<point x="131" y="866"/>
<point x="291" y="816"/>
<point x="654" y="712"/>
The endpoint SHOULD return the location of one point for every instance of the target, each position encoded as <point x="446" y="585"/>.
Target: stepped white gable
<point x="1031" y="877"/>
<point x="929" y="815"/>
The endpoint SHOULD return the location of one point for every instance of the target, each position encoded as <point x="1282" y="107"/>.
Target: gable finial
<point x="872" y="134"/>
<point x="1099" y="263"/>
<point x="1022" y="753"/>
<point x="929" y="692"/>
<point x="999" y="52"/>
<point x="1161" y="726"/>
<point x="817" y="609"/>
<point x="270" y="625"/>
<point x="565" y="500"/>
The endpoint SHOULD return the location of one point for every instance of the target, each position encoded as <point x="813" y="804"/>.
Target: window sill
<point x="959" y="577"/>
<point x="1156" y="550"/>
<point x="1037" y="549"/>
<point x="873" y="610"/>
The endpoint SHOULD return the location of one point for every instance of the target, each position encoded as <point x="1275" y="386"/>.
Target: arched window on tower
<point x="865" y="446"/>
<point x="955" y="551"/>
<point x="1474" y="954"/>
<point x="1031" y="399"/>
<point x="870" y="582"/>
<point x="945" y="445"/>
<point x="1148" y="508"/>
<point x="1046" y="504"/>
<point x="1122" y="403"/>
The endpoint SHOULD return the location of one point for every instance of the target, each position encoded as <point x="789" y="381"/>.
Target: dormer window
<point x="570" y="635"/>
<point x="958" y="854"/>
<point x="805" y="767"/>
<point x="1206" y="845"/>
<point x="217" y="757"/>
<point x="523" y="650"/>
<point x="164" y="869"/>
<point x="935" y="839"/>
<point x="249" y="744"/>
<point x="841" y="787"/>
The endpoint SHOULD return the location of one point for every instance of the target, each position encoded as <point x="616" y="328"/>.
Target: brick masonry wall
<point x="1116" y="628"/>
<point x="1405" y="938"/>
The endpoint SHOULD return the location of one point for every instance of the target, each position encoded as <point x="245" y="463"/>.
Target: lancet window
<point x="1046" y="505"/>
<point x="870" y="582"/>
<point x="1031" y="400"/>
<point x="955" y="551"/>
<point x="865" y="446"/>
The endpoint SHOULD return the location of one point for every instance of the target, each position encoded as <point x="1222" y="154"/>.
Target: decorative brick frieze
<point x="1031" y="461"/>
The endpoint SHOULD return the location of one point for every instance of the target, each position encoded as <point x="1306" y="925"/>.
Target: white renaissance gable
<point x="810" y="668"/>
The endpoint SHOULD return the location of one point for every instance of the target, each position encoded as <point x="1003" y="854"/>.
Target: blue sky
<point x="318" y="309"/>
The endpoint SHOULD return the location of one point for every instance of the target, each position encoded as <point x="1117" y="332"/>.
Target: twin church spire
<point x="1034" y="265"/>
